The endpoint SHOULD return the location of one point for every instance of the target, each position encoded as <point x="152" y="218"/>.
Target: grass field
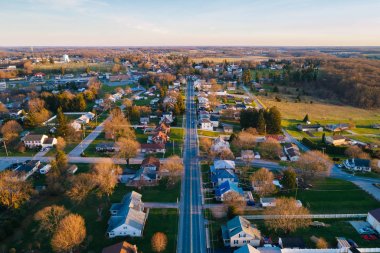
<point x="335" y="196"/>
<point x="323" y="112"/>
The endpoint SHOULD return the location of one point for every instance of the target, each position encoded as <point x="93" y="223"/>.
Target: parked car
<point x="352" y="243"/>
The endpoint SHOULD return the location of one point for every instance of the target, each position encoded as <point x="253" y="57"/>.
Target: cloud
<point x="76" y="5"/>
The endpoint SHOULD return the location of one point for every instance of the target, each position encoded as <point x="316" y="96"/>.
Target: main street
<point x="191" y="234"/>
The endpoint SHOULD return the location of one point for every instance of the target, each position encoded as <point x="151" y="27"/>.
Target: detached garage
<point x="373" y="218"/>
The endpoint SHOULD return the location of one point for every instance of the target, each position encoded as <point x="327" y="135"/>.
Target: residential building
<point x="268" y="202"/>
<point x="228" y="129"/>
<point x="206" y="124"/>
<point x="310" y="128"/>
<point x="239" y="232"/>
<point x="38" y="141"/>
<point x="26" y="170"/>
<point x="128" y="217"/>
<point x="373" y="219"/>
<point x="336" y="140"/>
<point x="224" y="164"/>
<point x="247" y="155"/>
<point x="165" y="128"/>
<point x="214" y="120"/>
<point x="159" y="137"/>
<point x="292" y="152"/>
<point x="121" y="247"/>
<point x="218" y="177"/>
<point x="151" y="148"/>
<point x="107" y="147"/>
<point x="219" y="145"/>
<point x="149" y="170"/>
<point x="355" y="164"/>
<point x="337" y="127"/>
<point x="247" y="249"/>
<point x="225" y="188"/>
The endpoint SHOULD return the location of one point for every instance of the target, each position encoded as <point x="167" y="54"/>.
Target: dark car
<point x="250" y="203"/>
<point x="352" y="243"/>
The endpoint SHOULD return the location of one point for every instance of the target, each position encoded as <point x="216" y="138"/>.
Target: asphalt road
<point x="191" y="234"/>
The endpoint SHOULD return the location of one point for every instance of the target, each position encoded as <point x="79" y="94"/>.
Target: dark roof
<point x="375" y="213"/>
<point x="151" y="160"/>
<point x="28" y="166"/>
<point x="292" y="242"/>
<point x="33" y="137"/>
<point x="49" y="140"/>
<point x="310" y="126"/>
<point x="152" y="146"/>
<point x="362" y="162"/>
<point x="121" y="247"/>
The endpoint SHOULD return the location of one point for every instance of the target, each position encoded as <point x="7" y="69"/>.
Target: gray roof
<point x="239" y="224"/>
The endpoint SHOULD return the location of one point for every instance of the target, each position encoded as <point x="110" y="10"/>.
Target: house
<point x="337" y="127"/>
<point x="223" y="164"/>
<point x="355" y="164"/>
<point x="247" y="155"/>
<point x="228" y="129"/>
<point x="107" y="147"/>
<point x="167" y="118"/>
<point x="144" y="120"/>
<point x="292" y="152"/>
<point x="72" y="169"/>
<point x="376" y="126"/>
<point x="291" y="242"/>
<point x="149" y="170"/>
<point x="310" y="128"/>
<point x="219" y="145"/>
<point x="39" y="140"/>
<point x="121" y="247"/>
<point x="86" y="118"/>
<point x="214" y="120"/>
<point x="158" y="138"/>
<point x="227" y="187"/>
<point x="27" y="169"/>
<point x="282" y="156"/>
<point x="336" y="140"/>
<point x="239" y="232"/>
<point x="247" y="249"/>
<point x="268" y="202"/>
<point x="218" y="177"/>
<point x="165" y="128"/>
<point x="128" y="217"/>
<point x="373" y="219"/>
<point x="76" y="125"/>
<point x="206" y="124"/>
<point x="150" y="148"/>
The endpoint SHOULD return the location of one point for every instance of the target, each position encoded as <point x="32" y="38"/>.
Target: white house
<point x="206" y="124"/>
<point x="239" y="232"/>
<point x="373" y="219"/>
<point x="128" y="217"/>
<point x="39" y="140"/>
<point x="247" y="155"/>
<point x="268" y="202"/>
<point x="224" y="164"/>
<point x="220" y="144"/>
<point x="356" y="164"/>
<point x="292" y="152"/>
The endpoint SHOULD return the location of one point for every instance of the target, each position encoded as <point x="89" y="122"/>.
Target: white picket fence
<point x="309" y="216"/>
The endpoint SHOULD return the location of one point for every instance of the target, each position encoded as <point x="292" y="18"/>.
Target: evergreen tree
<point x="324" y="138"/>
<point x="62" y="123"/>
<point x="306" y="119"/>
<point x="273" y="121"/>
<point x="247" y="77"/>
<point x="289" y="179"/>
<point x="261" y="123"/>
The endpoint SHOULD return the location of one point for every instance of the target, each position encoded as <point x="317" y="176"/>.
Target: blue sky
<point x="190" y="22"/>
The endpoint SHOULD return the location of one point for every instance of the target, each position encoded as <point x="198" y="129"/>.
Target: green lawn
<point x="208" y="133"/>
<point x="335" y="196"/>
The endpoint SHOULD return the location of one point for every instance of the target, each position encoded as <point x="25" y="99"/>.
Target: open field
<point x="323" y="112"/>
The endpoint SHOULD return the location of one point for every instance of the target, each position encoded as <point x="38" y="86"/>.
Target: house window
<point x="236" y="241"/>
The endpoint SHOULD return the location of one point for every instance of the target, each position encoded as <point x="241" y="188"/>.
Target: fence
<point x="309" y="216"/>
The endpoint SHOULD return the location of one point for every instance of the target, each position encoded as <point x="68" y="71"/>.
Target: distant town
<point x="190" y="149"/>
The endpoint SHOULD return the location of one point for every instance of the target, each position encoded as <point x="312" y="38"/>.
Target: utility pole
<point x="5" y="146"/>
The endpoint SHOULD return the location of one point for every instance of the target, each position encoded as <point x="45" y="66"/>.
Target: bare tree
<point x="105" y="176"/>
<point x="37" y="112"/>
<point x="159" y="242"/>
<point x="11" y="130"/>
<point x="234" y="201"/>
<point x="173" y="168"/>
<point x="262" y="182"/>
<point x="205" y="144"/>
<point x="313" y="164"/>
<point x="375" y="165"/>
<point x="80" y="187"/>
<point x="244" y="140"/>
<point x="270" y="148"/>
<point x="118" y="126"/>
<point x="356" y="152"/>
<point x="285" y="213"/>
<point x="70" y="233"/>
<point x="49" y="218"/>
<point x="128" y="148"/>
<point x="13" y="191"/>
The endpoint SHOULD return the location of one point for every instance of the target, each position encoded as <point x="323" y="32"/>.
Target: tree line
<point x="264" y="120"/>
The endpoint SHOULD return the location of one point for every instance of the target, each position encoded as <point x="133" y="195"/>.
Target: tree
<point x="375" y="165"/>
<point x="62" y="127"/>
<point x="289" y="179"/>
<point x="13" y="191"/>
<point x="80" y="103"/>
<point x="262" y="181"/>
<point x="61" y="143"/>
<point x="306" y="119"/>
<point x="261" y="123"/>
<point x="324" y="138"/>
<point x="80" y="187"/>
<point x="128" y="148"/>
<point x="356" y="152"/>
<point x="235" y="201"/>
<point x="11" y="130"/>
<point x="70" y="234"/>
<point x="313" y="164"/>
<point x="247" y="76"/>
<point x="28" y="67"/>
<point x="49" y="218"/>
<point x="205" y="144"/>
<point x="284" y="212"/>
<point x="118" y="126"/>
<point x="173" y="167"/>
<point x="321" y="244"/>
<point x="3" y="108"/>
<point x="273" y="121"/>
<point x="105" y="177"/>
<point x="270" y="148"/>
<point x="159" y="242"/>
<point x="61" y="160"/>
<point x="244" y="140"/>
<point x="37" y="112"/>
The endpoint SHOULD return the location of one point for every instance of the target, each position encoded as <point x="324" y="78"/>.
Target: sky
<point x="190" y="22"/>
